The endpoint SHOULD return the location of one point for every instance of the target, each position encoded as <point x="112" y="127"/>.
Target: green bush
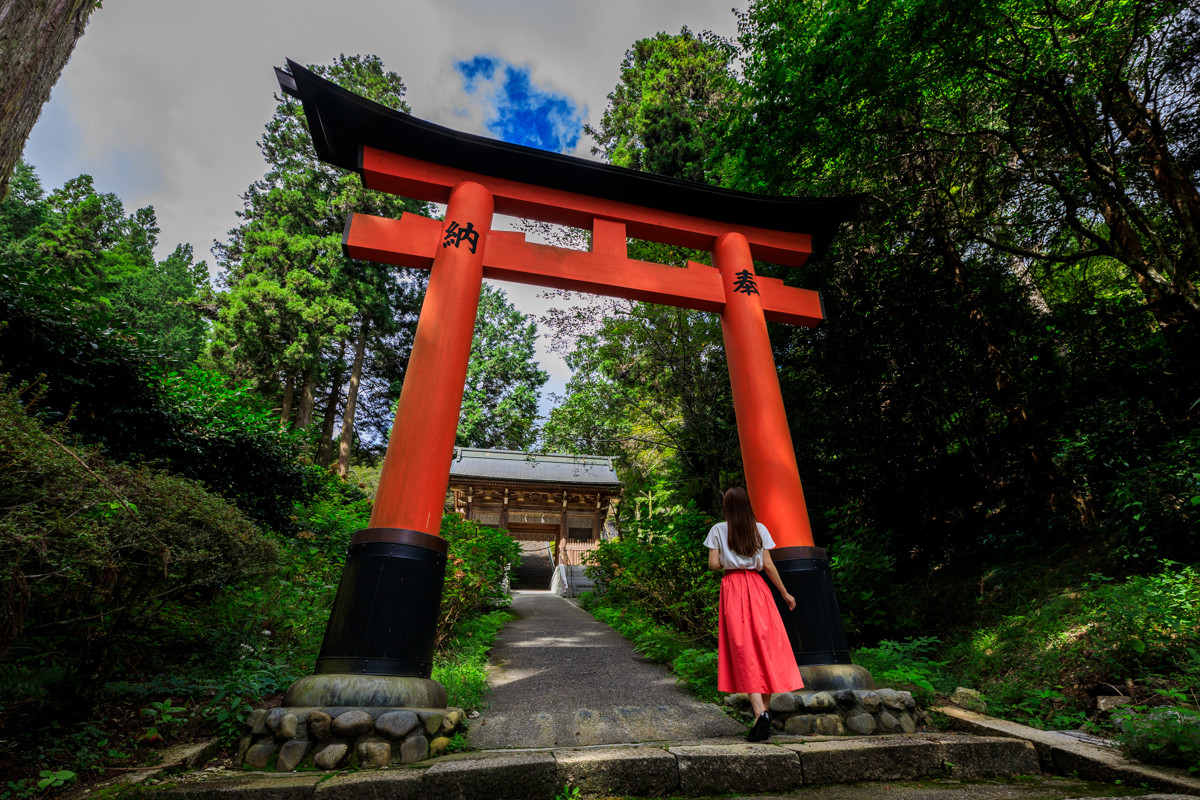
<point x="1163" y="735"/>
<point x="91" y="546"/>
<point x="219" y="432"/>
<point x="1147" y="624"/>
<point x="461" y="666"/>
<point x="659" y="566"/>
<point x="1144" y="468"/>
<point x="1033" y="664"/>
<point x="697" y="669"/>
<point x="477" y="563"/>
<point x="870" y="598"/>
<point x="331" y="517"/>
<point x="1103" y="631"/>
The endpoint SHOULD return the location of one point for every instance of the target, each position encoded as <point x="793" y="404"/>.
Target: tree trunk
<point x="304" y="413"/>
<point x="289" y="395"/>
<point x="1144" y="130"/>
<point x="36" y="40"/>
<point x="1177" y="308"/>
<point x="335" y="392"/>
<point x="1165" y="299"/>
<point x="360" y="351"/>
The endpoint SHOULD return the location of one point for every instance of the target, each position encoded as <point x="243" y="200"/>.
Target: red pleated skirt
<point x="753" y="652"/>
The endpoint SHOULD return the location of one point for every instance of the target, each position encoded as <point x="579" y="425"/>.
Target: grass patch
<point x="1039" y="663"/>
<point x="462" y="666"/>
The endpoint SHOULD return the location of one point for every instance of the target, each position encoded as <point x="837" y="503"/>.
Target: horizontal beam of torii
<point x="413" y="241"/>
<point x="385" y="614"/>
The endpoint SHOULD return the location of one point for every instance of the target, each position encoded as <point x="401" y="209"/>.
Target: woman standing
<point x="753" y="652"/>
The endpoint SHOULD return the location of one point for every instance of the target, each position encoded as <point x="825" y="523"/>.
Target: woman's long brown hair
<point x="743" y="527"/>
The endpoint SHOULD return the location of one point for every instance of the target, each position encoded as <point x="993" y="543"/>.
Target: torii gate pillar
<point x="773" y="479"/>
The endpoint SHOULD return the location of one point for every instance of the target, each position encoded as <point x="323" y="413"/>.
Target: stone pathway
<point x="560" y="678"/>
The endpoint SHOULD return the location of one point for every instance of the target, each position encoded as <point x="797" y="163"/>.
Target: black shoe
<point x="761" y="729"/>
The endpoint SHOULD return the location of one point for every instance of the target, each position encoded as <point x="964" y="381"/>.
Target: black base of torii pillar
<point x="815" y="628"/>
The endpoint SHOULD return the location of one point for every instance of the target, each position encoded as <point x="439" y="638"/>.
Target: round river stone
<point x="396" y="724"/>
<point x="352" y="723"/>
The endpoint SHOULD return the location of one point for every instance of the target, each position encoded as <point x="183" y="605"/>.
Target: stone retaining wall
<point x="853" y="712"/>
<point x="335" y="738"/>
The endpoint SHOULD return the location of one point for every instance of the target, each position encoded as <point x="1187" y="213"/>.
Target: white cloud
<point x="162" y="102"/>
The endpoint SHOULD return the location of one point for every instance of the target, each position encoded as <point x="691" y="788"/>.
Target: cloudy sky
<point x="163" y="101"/>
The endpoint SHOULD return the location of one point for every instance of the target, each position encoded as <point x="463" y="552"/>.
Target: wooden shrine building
<point x="557" y="506"/>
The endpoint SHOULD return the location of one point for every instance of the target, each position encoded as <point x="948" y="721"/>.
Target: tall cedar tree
<point x="293" y="303"/>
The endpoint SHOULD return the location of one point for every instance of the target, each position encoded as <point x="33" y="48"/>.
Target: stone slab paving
<point x="1068" y="756"/>
<point x="560" y="678"/>
<point x="949" y="789"/>
<point x="697" y="769"/>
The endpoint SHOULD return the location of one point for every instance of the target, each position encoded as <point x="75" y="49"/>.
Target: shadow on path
<point x="560" y="678"/>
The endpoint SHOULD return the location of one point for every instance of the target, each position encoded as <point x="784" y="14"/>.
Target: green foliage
<point x="589" y="420"/>
<point x="95" y="321"/>
<point x="659" y="567"/>
<point x="458" y="743"/>
<point x="159" y="304"/>
<point x="161" y="713"/>
<point x="251" y="675"/>
<point x="1161" y="735"/>
<point x="75" y="258"/>
<point x="291" y="297"/>
<point x="72" y="753"/>
<point x="659" y="115"/>
<point x="64" y="324"/>
<point x="1147" y="624"/>
<point x="92" y="546"/>
<point x="503" y="379"/>
<point x="1103" y="632"/>
<point x="697" y="668"/>
<point x="478" y="561"/>
<point x="1048" y="709"/>
<point x="220" y="433"/>
<point x="330" y="518"/>
<point x="54" y="779"/>
<point x="568" y="792"/>
<point x="908" y="664"/>
<point x="864" y="571"/>
<point x="461" y="664"/>
<point x="1147" y="474"/>
<point x="649" y="386"/>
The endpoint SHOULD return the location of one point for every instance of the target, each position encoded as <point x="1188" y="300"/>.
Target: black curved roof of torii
<point x="341" y="122"/>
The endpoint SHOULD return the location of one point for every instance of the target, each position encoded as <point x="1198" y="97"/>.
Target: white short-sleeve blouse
<point x="718" y="539"/>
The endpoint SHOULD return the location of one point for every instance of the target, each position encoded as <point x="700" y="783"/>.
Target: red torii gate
<point x="384" y="618"/>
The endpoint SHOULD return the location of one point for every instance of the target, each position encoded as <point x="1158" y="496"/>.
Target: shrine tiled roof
<point x="509" y="465"/>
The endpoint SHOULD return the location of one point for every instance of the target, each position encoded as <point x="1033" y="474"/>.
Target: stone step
<point x="714" y="767"/>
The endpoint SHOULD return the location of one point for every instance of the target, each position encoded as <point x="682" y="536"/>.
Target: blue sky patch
<point x="518" y="110"/>
<point x="478" y="67"/>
